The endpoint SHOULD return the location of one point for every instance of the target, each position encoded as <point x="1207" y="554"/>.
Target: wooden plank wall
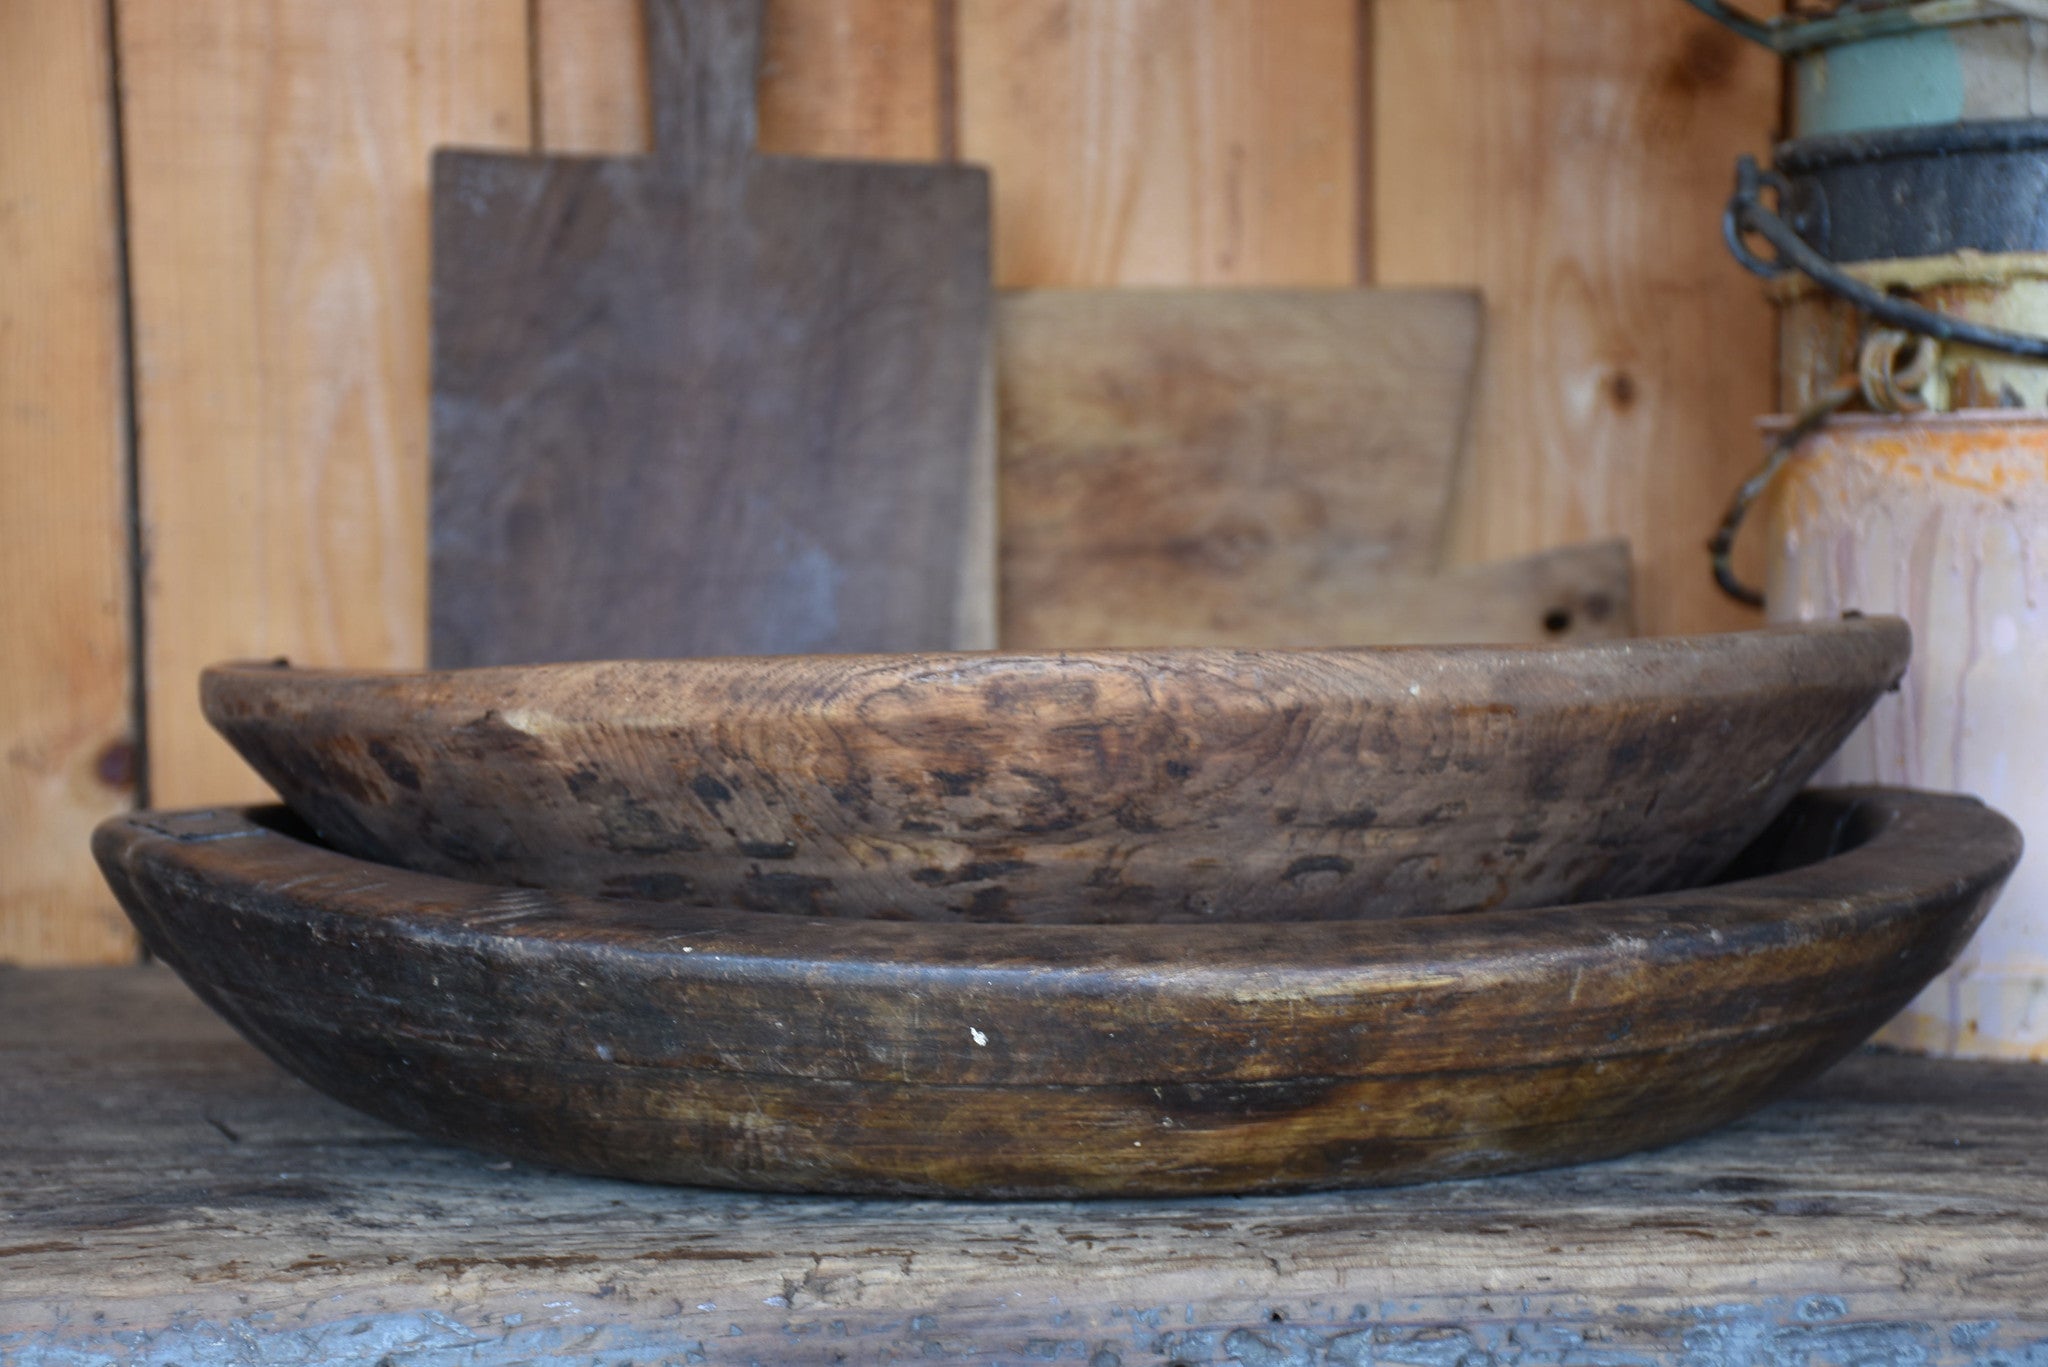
<point x="276" y="156"/>
<point x="1572" y="157"/>
<point x="66" y="758"/>
<point x="1568" y="156"/>
<point x="1166" y="141"/>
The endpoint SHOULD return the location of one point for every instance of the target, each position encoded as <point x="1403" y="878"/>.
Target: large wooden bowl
<point x="1107" y="786"/>
<point x="740" y="1049"/>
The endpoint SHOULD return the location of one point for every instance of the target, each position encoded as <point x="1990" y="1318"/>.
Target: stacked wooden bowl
<point x="1117" y="922"/>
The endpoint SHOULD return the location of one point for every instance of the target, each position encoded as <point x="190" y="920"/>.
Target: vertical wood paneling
<point x="277" y="156"/>
<point x="851" y="78"/>
<point x="1568" y="157"/>
<point x="839" y="78"/>
<point x="1572" y="157"/>
<point x="1165" y="141"/>
<point x="590" y="76"/>
<point x="65" y="692"/>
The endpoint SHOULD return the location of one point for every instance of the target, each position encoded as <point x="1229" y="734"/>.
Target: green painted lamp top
<point x="1878" y="64"/>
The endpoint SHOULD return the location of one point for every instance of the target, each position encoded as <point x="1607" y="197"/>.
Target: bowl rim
<point x="1921" y="855"/>
<point x="1880" y="629"/>
<point x="1855" y="653"/>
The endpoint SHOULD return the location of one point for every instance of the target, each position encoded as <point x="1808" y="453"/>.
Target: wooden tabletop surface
<point x="167" y="1195"/>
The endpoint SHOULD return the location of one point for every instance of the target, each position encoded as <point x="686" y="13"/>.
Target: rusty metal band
<point x="1748" y="215"/>
<point x="1722" y="545"/>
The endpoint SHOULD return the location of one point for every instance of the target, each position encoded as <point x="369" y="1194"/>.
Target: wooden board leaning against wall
<point x="1568" y="157"/>
<point x="705" y="401"/>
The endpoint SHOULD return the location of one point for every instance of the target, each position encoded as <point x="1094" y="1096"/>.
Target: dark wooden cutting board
<point x="708" y="402"/>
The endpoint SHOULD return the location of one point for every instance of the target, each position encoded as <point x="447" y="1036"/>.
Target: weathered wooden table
<point x="167" y="1195"/>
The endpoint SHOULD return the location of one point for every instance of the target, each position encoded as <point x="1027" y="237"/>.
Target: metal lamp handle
<point x="1747" y="214"/>
<point x="1790" y="36"/>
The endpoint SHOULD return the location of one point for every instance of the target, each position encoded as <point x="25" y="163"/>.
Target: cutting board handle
<point x="702" y="60"/>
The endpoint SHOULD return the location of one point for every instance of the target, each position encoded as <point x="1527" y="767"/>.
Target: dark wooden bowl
<point x="734" y="1048"/>
<point x="1182" y="785"/>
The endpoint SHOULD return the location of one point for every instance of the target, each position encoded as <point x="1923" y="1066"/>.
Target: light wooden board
<point x="839" y="78"/>
<point x="1232" y="467"/>
<point x="166" y="1194"/>
<point x="706" y="402"/>
<point x="1572" y="158"/>
<point x="1573" y="593"/>
<point x="66" y="751"/>
<point x="1165" y="141"/>
<point x="277" y="193"/>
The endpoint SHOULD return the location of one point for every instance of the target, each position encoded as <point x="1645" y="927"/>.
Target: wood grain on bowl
<point x="1087" y="786"/>
<point x="743" y="1049"/>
